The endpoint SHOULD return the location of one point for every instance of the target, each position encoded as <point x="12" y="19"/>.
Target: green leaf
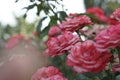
<point x="53" y="20"/>
<point x="53" y="6"/>
<point x="106" y="78"/>
<point x="38" y="29"/>
<point x="46" y="7"/>
<point x="25" y="15"/>
<point x="30" y="7"/>
<point x="16" y="0"/>
<point x="32" y="0"/>
<point x="61" y="15"/>
<point x="39" y="8"/>
<point x="44" y="32"/>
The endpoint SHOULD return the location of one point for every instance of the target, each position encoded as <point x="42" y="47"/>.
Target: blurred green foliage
<point x="50" y="9"/>
<point x="107" y="5"/>
<point x="22" y="27"/>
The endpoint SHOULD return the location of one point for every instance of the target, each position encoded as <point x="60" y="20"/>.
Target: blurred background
<point x="32" y="19"/>
<point x="12" y="13"/>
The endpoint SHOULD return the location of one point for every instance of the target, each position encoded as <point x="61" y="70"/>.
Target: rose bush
<point x="82" y="46"/>
<point x="86" y="49"/>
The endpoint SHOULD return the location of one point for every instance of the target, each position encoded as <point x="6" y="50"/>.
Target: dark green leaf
<point x="62" y="15"/>
<point x="25" y="15"/>
<point x="106" y="78"/>
<point x="30" y="6"/>
<point x="40" y="24"/>
<point x="16" y="0"/>
<point x="32" y="0"/>
<point x="53" y="6"/>
<point x="44" y="32"/>
<point x="53" y="20"/>
<point x="39" y="8"/>
<point x="46" y="7"/>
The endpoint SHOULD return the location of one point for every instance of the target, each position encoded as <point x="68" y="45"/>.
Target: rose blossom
<point x="113" y="21"/>
<point x="98" y="12"/>
<point x="72" y="24"/>
<point x="54" y="31"/>
<point x="85" y="57"/>
<point x="109" y="38"/>
<point x="56" y="77"/>
<point x="116" y="14"/>
<point x="46" y="72"/>
<point x="35" y="34"/>
<point x="14" y="40"/>
<point x="73" y="14"/>
<point x="58" y="45"/>
<point x="116" y="68"/>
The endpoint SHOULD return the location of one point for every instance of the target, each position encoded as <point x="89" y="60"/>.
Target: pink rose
<point x="56" y="77"/>
<point x="109" y="38"/>
<point x="84" y="57"/>
<point x="113" y="21"/>
<point x="35" y="34"/>
<point x="54" y="31"/>
<point x="116" y="15"/>
<point x="72" y="24"/>
<point x="73" y="14"/>
<point x="98" y="12"/>
<point x="46" y="72"/>
<point x="58" y="45"/>
<point x="51" y="70"/>
<point x="13" y="41"/>
<point x="116" y="68"/>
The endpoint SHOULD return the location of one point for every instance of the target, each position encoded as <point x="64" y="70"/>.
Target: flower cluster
<point x="84" y="56"/>
<point x="48" y="73"/>
<point x="18" y="40"/>
<point x="91" y="54"/>
<point x="58" y="45"/>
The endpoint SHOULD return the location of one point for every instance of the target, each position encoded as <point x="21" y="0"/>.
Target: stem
<point x="118" y="49"/>
<point x="79" y="34"/>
